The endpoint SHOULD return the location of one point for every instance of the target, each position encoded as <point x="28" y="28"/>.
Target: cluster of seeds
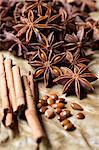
<point x="53" y="106"/>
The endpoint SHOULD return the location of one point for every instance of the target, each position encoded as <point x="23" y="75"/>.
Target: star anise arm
<point x="91" y="77"/>
<point x="86" y="85"/>
<point x="39" y="73"/>
<point x="36" y="63"/>
<point x="56" y="71"/>
<point x="77" y="88"/>
<point x="67" y="86"/>
<point x="29" y="35"/>
<point x="46" y="77"/>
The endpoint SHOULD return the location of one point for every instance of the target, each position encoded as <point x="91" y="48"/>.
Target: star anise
<point x="77" y="82"/>
<point x="77" y="43"/>
<point x="75" y="60"/>
<point x="30" y="25"/>
<point x="47" y="43"/>
<point x="18" y="48"/>
<point x="47" y="66"/>
<point x="40" y="5"/>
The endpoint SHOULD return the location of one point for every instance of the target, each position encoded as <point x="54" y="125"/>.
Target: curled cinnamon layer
<point x="18" y="88"/>
<point x="31" y="114"/>
<point x="7" y="112"/>
<point x="10" y="83"/>
<point x="3" y="86"/>
<point x="33" y="87"/>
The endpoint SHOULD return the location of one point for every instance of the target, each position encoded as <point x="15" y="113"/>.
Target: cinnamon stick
<point x="10" y="83"/>
<point x="3" y="86"/>
<point x="18" y="88"/>
<point x="7" y="120"/>
<point x="33" y="87"/>
<point x="31" y="114"/>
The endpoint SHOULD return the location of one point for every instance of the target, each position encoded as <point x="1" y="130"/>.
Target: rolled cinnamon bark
<point x="31" y="114"/>
<point x="18" y="88"/>
<point x="33" y="87"/>
<point x="3" y="86"/>
<point x="7" y="119"/>
<point x="10" y="83"/>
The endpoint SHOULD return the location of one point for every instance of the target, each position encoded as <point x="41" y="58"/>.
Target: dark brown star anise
<point x="47" y="43"/>
<point x="47" y="66"/>
<point x="30" y="25"/>
<point x="77" y="44"/>
<point x="75" y="60"/>
<point x="41" y="5"/>
<point x="77" y="82"/>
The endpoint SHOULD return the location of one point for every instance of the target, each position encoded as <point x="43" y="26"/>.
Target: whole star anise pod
<point x="73" y="61"/>
<point x="40" y="5"/>
<point x="77" y="81"/>
<point x="77" y="43"/>
<point x="47" y="43"/>
<point x="30" y="25"/>
<point x="47" y="66"/>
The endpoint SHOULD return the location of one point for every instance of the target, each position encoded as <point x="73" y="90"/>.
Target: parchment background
<point x="85" y="137"/>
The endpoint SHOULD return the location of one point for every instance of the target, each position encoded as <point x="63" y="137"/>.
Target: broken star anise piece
<point x="77" y="82"/>
<point x="47" y="66"/>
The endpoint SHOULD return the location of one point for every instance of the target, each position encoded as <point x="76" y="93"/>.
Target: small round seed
<point x="54" y="96"/>
<point x="76" y="106"/>
<point x="43" y="102"/>
<point x="49" y="113"/>
<point x="69" y="127"/>
<point x="39" y="105"/>
<point x="65" y="114"/>
<point x="45" y="97"/>
<point x="65" y="122"/>
<point x="43" y="109"/>
<point x="50" y="101"/>
<point x="60" y="105"/>
<point x="58" y="110"/>
<point x="80" y="116"/>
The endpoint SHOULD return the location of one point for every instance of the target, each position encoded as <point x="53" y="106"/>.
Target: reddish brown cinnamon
<point x="10" y="83"/>
<point x="31" y="114"/>
<point x="18" y="87"/>
<point x="4" y="95"/>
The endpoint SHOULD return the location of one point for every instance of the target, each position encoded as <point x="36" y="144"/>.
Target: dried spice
<point x="77" y="81"/>
<point x="60" y="110"/>
<point x="47" y="66"/>
<point x="50" y="35"/>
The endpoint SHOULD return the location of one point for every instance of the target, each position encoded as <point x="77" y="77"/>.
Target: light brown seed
<point x="54" y="96"/>
<point x="45" y="97"/>
<point x="58" y="105"/>
<point x="43" y="109"/>
<point x="69" y="127"/>
<point x="49" y="113"/>
<point x="65" y="114"/>
<point x="43" y="102"/>
<point x="58" y="110"/>
<point x="65" y="122"/>
<point x="76" y="106"/>
<point x="50" y="101"/>
<point x="80" y="116"/>
<point x="39" y="105"/>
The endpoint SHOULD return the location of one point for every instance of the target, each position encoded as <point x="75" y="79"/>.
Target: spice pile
<point x="52" y="106"/>
<point x="18" y="95"/>
<point x="56" y="37"/>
